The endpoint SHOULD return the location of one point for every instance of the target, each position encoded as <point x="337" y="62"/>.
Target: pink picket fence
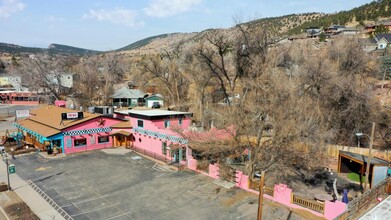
<point x="280" y="193"/>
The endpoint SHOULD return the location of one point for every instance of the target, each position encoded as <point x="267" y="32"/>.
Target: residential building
<point x="154" y="101"/>
<point x="382" y="41"/>
<point x="334" y="29"/>
<point x="371" y="28"/>
<point x="11" y="82"/>
<point x="125" y="97"/>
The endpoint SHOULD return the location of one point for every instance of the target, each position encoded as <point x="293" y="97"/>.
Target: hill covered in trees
<point x="370" y="12"/>
<point x="52" y="49"/>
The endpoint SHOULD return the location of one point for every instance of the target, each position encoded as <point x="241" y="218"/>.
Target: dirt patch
<point x="16" y="208"/>
<point x="238" y="196"/>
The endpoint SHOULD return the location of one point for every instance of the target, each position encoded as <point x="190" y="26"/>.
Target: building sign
<point x="72" y="115"/>
<point x="22" y="113"/>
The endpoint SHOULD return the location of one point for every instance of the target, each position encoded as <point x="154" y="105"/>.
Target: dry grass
<point x="16" y="208"/>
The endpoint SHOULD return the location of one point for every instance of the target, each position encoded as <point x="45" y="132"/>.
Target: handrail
<point x="50" y="201"/>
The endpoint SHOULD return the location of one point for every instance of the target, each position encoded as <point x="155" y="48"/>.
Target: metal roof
<point x="364" y="159"/>
<point x="125" y="93"/>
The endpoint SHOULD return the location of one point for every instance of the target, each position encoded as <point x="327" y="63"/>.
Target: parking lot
<point x="97" y="185"/>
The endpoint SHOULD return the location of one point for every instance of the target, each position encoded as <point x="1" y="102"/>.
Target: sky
<point x="112" y="24"/>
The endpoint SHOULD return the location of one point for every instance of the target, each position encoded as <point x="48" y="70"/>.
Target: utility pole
<point x="8" y="174"/>
<point x="369" y="157"/>
<point x="260" y="198"/>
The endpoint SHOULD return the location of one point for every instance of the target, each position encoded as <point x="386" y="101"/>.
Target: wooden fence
<point x="364" y="200"/>
<point x="307" y="203"/>
<point x="266" y="189"/>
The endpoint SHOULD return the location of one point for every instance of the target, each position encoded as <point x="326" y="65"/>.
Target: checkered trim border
<point x="160" y="135"/>
<point x="86" y="131"/>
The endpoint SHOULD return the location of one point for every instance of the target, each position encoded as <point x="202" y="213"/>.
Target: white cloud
<point x="54" y="19"/>
<point x="8" y="7"/>
<point x="164" y="8"/>
<point x="118" y="16"/>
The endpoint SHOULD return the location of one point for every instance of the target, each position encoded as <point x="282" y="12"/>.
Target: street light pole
<point x="369" y="156"/>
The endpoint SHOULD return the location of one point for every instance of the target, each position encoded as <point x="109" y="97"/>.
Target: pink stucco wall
<point x="92" y="139"/>
<point x="214" y="171"/>
<point x="241" y="180"/>
<point x="150" y="144"/>
<point x="282" y="193"/>
<point x="192" y="164"/>
<point x="334" y="209"/>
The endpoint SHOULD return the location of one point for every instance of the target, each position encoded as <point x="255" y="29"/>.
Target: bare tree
<point x="168" y="69"/>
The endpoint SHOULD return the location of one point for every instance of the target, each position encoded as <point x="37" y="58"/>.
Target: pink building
<point x="154" y="132"/>
<point x="69" y="131"/>
<point x="18" y="98"/>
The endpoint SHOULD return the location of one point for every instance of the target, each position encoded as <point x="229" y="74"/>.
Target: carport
<point x="357" y="163"/>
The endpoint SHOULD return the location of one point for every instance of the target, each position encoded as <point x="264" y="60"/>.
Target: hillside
<point x="64" y="49"/>
<point x="286" y="25"/>
<point x="362" y="15"/>
<point x="143" y="42"/>
<point x="52" y="49"/>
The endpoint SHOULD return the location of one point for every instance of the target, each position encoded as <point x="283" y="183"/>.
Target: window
<point x="166" y="123"/>
<point x="140" y="123"/>
<point x="180" y="122"/>
<point x="103" y="139"/>
<point x="164" y="148"/>
<point x="80" y="142"/>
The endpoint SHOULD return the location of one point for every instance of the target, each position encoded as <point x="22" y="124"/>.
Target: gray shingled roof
<point x="385" y="36"/>
<point x="125" y="93"/>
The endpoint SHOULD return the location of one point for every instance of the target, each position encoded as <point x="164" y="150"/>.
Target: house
<point x="125" y="97"/>
<point x="334" y="29"/>
<point x="154" y="135"/>
<point x="67" y="130"/>
<point x="371" y="28"/>
<point x="349" y="31"/>
<point x="382" y="40"/>
<point x="63" y="81"/>
<point x="313" y="31"/>
<point x="154" y="101"/>
<point x="11" y="82"/>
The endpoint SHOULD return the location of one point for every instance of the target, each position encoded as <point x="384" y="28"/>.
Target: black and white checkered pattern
<point x="86" y="131"/>
<point x="160" y="135"/>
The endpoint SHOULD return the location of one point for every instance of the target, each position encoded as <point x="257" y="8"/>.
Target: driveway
<point x="98" y="185"/>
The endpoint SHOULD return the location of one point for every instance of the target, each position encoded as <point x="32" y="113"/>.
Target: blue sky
<point x="111" y="24"/>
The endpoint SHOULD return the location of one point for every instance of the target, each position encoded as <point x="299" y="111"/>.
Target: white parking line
<point x="93" y="210"/>
<point x="86" y="200"/>
<point x="119" y="215"/>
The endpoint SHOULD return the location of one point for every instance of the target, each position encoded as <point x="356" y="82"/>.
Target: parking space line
<point x="125" y="213"/>
<point x="24" y="160"/>
<point x="86" y="200"/>
<point x="94" y="210"/>
<point x="91" y="190"/>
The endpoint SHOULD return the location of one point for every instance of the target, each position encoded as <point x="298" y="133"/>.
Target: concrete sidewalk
<point x="36" y="203"/>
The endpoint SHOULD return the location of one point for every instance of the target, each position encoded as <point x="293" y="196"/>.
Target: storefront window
<point x="80" y="142"/>
<point x="103" y="139"/>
